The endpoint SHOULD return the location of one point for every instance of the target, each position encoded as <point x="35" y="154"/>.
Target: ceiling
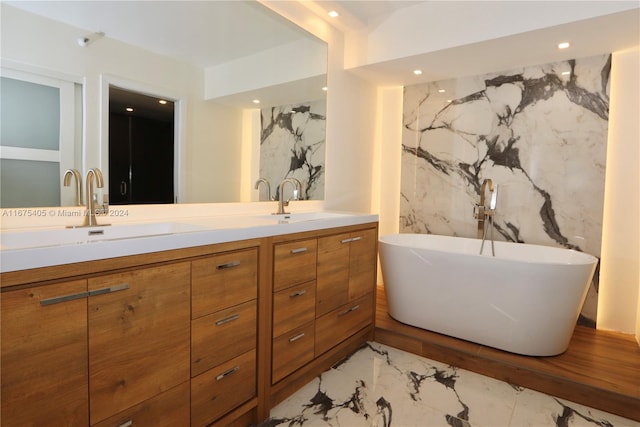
<point x="205" y="33"/>
<point x="589" y="37"/>
<point x="200" y="32"/>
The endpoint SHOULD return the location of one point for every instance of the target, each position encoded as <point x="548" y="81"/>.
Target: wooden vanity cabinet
<point x="44" y="356"/>
<point x="346" y="282"/>
<point x="139" y="336"/>
<point x="323" y="303"/>
<point x="209" y="335"/>
<point x="294" y="289"/>
<point x="223" y="334"/>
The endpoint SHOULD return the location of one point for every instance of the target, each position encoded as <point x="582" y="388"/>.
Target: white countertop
<point x="24" y="249"/>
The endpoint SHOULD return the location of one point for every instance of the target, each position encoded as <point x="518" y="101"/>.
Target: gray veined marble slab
<point x="379" y="386"/>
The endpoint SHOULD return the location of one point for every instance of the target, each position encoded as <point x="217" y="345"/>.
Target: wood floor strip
<point x="600" y="369"/>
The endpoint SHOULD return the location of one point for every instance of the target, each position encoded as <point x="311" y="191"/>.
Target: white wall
<point x="619" y="303"/>
<point x="351" y="112"/>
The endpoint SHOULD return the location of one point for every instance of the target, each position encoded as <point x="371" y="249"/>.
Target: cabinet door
<point x="139" y="331"/>
<point x="338" y="325"/>
<point x="44" y="356"/>
<point x="362" y="263"/>
<point x="333" y="273"/>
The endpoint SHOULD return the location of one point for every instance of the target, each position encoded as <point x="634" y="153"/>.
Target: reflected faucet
<point x="484" y="214"/>
<point x="263" y="181"/>
<point x="93" y="173"/>
<point x="78" y="179"/>
<point x="297" y="189"/>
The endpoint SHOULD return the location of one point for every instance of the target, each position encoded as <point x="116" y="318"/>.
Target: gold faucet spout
<point x="69" y="173"/>
<point x="92" y="174"/>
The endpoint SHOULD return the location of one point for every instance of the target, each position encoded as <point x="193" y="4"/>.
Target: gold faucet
<point x="264" y="181"/>
<point x="297" y="189"/>
<point x="93" y="173"/>
<point x="78" y="179"/>
<point x="481" y="211"/>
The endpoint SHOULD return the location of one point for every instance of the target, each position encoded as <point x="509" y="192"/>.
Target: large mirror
<point x="213" y="60"/>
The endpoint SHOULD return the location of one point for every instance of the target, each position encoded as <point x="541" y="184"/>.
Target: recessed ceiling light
<point x="441" y="91"/>
<point x="129" y="109"/>
<point x="256" y="101"/>
<point x="333" y="14"/>
<point x="417" y="72"/>
<point x="566" y="73"/>
<point x="162" y="101"/>
<point x="324" y="88"/>
<point x="563" y="45"/>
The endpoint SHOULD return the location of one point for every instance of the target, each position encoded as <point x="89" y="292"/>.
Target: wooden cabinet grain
<point x="346" y="268"/>
<point x="211" y="335"/>
<point x="139" y="336"/>
<point x="323" y="294"/>
<point x="223" y="334"/>
<point x="44" y="356"/>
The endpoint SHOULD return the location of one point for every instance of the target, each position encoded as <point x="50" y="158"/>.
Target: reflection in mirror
<point x="38" y="117"/>
<point x="214" y="66"/>
<point x="141" y="148"/>
<point x="292" y="145"/>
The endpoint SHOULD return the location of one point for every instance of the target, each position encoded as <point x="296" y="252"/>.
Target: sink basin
<point x="69" y="236"/>
<point x="305" y="216"/>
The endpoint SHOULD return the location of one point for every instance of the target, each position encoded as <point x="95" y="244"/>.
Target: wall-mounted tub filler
<point x="484" y="214"/>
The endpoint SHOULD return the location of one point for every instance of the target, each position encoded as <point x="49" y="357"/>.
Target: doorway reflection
<point x="141" y="148"/>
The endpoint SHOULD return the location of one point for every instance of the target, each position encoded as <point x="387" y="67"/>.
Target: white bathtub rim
<point x="412" y="240"/>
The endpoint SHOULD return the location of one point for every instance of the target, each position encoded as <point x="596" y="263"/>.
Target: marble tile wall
<point x="292" y="145"/>
<point x="538" y="132"/>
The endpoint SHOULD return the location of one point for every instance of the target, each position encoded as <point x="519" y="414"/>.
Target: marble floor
<point x="379" y="386"/>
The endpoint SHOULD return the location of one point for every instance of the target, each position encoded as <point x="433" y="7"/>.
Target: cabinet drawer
<point x="294" y="262"/>
<point x="338" y="325"/>
<point x="293" y="307"/>
<point x="223" y="280"/>
<point x="219" y="390"/>
<point x="291" y="351"/>
<point x="168" y="409"/>
<point x="221" y="336"/>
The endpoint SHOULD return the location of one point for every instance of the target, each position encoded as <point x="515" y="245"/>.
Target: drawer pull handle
<point x="296" y="337"/>
<point x="227" y="373"/>
<point x="298" y="294"/>
<point x="127" y="423"/>
<point x="227" y="319"/>
<point x="298" y="250"/>
<point x="79" y="295"/>
<point x="354" y="308"/>
<point x="64" y="298"/>
<point x="228" y="265"/>
<point x="109" y="290"/>
<point x="351" y="239"/>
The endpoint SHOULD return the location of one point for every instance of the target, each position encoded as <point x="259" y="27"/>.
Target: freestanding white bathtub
<point x="525" y="300"/>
